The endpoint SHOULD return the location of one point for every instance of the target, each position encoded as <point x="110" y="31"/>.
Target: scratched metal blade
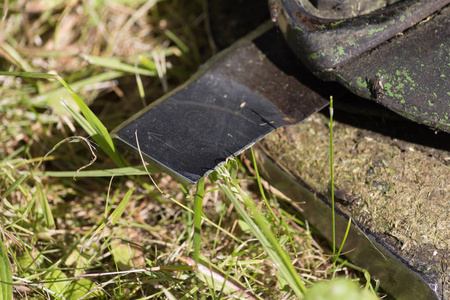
<point x="236" y="99"/>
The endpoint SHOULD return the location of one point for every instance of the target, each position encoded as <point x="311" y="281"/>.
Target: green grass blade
<point x="141" y="89"/>
<point x="93" y="125"/>
<point x="117" y="213"/>
<point x="263" y="195"/>
<point x="53" y="96"/>
<point x="260" y="228"/>
<point x="57" y="282"/>
<point x="14" y="55"/>
<point x="101" y="135"/>
<point x="12" y="155"/>
<point x="366" y="275"/>
<point x="147" y="63"/>
<point x="108" y="201"/>
<point x="343" y="240"/>
<point x="79" y="119"/>
<point x="126" y="171"/>
<point x="15" y="184"/>
<point x="183" y="47"/>
<point x="6" y="288"/>
<point x="116" y="64"/>
<point x="332" y="178"/>
<point x="261" y="189"/>
<point x="30" y="75"/>
<point x="46" y="210"/>
<point x="198" y="206"/>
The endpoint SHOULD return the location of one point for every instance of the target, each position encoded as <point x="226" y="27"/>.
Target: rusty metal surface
<point x="238" y="97"/>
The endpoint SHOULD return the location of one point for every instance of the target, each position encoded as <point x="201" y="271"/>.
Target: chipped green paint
<point x="361" y="82"/>
<point x="320" y="26"/>
<point x="376" y="30"/>
<point x="334" y="24"/>
<point x="415" y="81"/>
<point x="342" y="78"/>
<point x="313" y="56"/>
<point x="398" y="96"/>
<point x="408" y="77"/>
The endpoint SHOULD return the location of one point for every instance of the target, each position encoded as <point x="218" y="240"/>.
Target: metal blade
<point x="237" y="98"/>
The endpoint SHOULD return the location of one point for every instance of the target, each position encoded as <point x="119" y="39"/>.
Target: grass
<point x="77" y="221"/>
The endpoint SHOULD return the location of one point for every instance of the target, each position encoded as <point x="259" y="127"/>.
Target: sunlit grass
<point x="76" y="219"/>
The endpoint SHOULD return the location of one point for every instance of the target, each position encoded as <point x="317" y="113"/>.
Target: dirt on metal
<point x="399" y="190"/>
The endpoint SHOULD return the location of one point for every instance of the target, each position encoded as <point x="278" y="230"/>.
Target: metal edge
<point x="362" y="248"/>
<point x="202" y="69"/>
